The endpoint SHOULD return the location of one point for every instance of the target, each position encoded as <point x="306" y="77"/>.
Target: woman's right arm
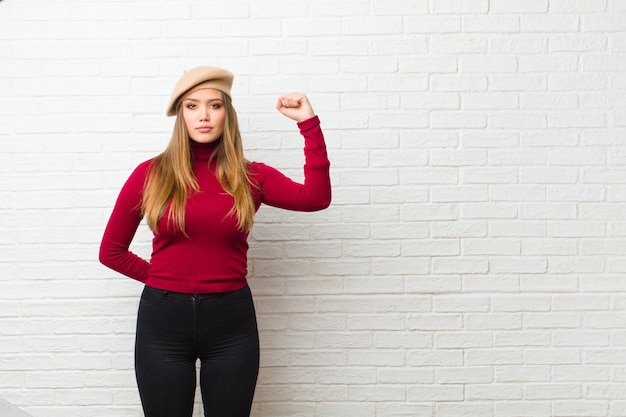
<point x="121" y="228"/>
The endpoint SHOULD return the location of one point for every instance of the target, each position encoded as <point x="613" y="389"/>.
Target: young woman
<point x="199" y="198"/>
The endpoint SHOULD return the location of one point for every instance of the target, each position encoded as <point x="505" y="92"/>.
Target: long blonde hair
<point x="170" y="178"/>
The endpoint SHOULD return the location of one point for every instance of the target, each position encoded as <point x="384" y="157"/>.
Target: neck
<point x="203" y="151"/>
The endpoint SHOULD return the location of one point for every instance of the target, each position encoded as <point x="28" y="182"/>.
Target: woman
<point x="199" y="198"/>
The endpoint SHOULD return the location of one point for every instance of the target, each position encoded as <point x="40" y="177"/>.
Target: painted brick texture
<point x="472" y="262"/>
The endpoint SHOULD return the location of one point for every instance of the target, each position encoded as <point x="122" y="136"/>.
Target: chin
<point x="204" y="140"/>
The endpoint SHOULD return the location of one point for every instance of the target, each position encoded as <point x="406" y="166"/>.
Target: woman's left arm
<point x="315" y="193"/>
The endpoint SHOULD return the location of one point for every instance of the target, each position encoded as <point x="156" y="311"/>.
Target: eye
<point x="191" y="106"/>
<point x="216" y="105"/>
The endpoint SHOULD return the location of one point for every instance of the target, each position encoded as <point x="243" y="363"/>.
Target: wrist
<point x="305" y="118"/>
<point x="309" y="123"/>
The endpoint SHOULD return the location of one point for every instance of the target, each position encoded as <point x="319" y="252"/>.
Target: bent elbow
<point x="326" y="203"/>
<point x="103" y="258"/>
<point x="107" y="256"/>
<point x="322" y="203"/>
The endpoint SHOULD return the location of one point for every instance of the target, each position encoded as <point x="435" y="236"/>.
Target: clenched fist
<point x="295" y="106"/>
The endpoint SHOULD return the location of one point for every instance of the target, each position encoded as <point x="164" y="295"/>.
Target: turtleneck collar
<point x="203" y="151"/>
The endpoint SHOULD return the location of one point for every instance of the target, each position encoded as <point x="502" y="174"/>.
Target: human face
<point x="204" y="115"/>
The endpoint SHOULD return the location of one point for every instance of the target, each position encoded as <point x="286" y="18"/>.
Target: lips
<point x="204" y="129"/>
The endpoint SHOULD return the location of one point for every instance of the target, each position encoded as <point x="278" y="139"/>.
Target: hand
<point x="295" y="106"/>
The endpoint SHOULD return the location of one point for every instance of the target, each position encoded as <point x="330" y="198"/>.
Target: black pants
<point x="174" y="330"/>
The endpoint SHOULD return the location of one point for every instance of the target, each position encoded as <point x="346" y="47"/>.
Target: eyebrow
<point x="196" y="100"/>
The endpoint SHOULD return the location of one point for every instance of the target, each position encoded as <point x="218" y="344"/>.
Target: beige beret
<point x="209" y="77"/>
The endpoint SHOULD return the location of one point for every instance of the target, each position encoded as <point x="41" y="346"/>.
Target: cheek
<point x="188" y="119"/>
<point x="221" y="120"/>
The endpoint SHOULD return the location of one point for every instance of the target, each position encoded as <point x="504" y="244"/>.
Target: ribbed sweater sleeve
<point x="121" y="228"/>
<point x="315" y="193"/>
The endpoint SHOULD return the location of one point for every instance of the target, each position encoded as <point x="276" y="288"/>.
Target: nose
<point x="206" y="114"/>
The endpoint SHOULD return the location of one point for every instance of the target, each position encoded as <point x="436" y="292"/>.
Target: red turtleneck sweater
<point x="213" y="258"/>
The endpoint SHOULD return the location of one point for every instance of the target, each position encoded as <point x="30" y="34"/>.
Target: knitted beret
<point x="209" y="77"/>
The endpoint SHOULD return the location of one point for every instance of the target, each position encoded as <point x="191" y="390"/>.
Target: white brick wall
<point x="472" y="262"/>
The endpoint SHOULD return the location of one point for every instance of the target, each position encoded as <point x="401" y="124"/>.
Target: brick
<point x="461" y="7"/>
<point x="578" y="408"/>
<point x="480" y="64"/>
<point x="308" y="27"/>
<point x="459" y="229"/>
<point x="425" y="393"/>
<point x="551" y="320"/>
<point x="491" y="23"/>
<point x="575" y="303"/>
<point x="441" y="321"/>
<point x="524" y="409"/>
<point x="510" y="6"/>
<point x="494" y="321"/>
<point x="399" y="120"/>
<point x="521" y="158"/>
<point x="376" y="358"/>
<point x="578" y="5"/>
<point x="400" y="45"/>
<point x="427" y="63"/>
<point x="526" y="338"/>
<point x="518" y="120"/>
<point x="489" y="140"/>
<point x="576" y="229"/>
<point x="549" y="101"/>
<point x="463" y="340"/>
<point x="369" y="25"/>
<point x="430" y="101"/>
<point x="491" y="247"/>
<point x="558" y="23"/>
<point x="538" y="175"/>
<point x="585" y="373"/>
<point x="539" y="283"/>
<point x="523" y="373"/>
<point x="458" y="83"/>
<point x="398" y="158"/>
<point x="605" y="320"/>
<point x="397" y="82"/>
<point x="433" y="284"/>
<point x="439" y="247"/>
<point x="373" y="285"/>
<point x="460" y="266"/>
<point x="490" y="392"/>
<point x="357" y="376"/>
<point x="411" y="340"/>
<point x="368" y="65"/>
<point x="401" y="194"/>
<point x="520" y="303"/>
<point x="581" y="338"/>
<point x="554" y="211"/>
<point x="131" y="30"/>
<point x="429" y="175"/>
<point x="576" y="193"/>
<point x="407" y="375"/>
<point x="578" y="265"/>
<point x="457" y="158"/>
<point x="339" y="8"/>
<point x="402" y="266"/>
<point x="448" y="303"/>
<point x="377" y="392"/>
<point x="456" y="120"/>
<point x="483" y="357"/>
<point x="70" y="29"/>
<point x="307" y="287"/>
<point x="432" y="24"/>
